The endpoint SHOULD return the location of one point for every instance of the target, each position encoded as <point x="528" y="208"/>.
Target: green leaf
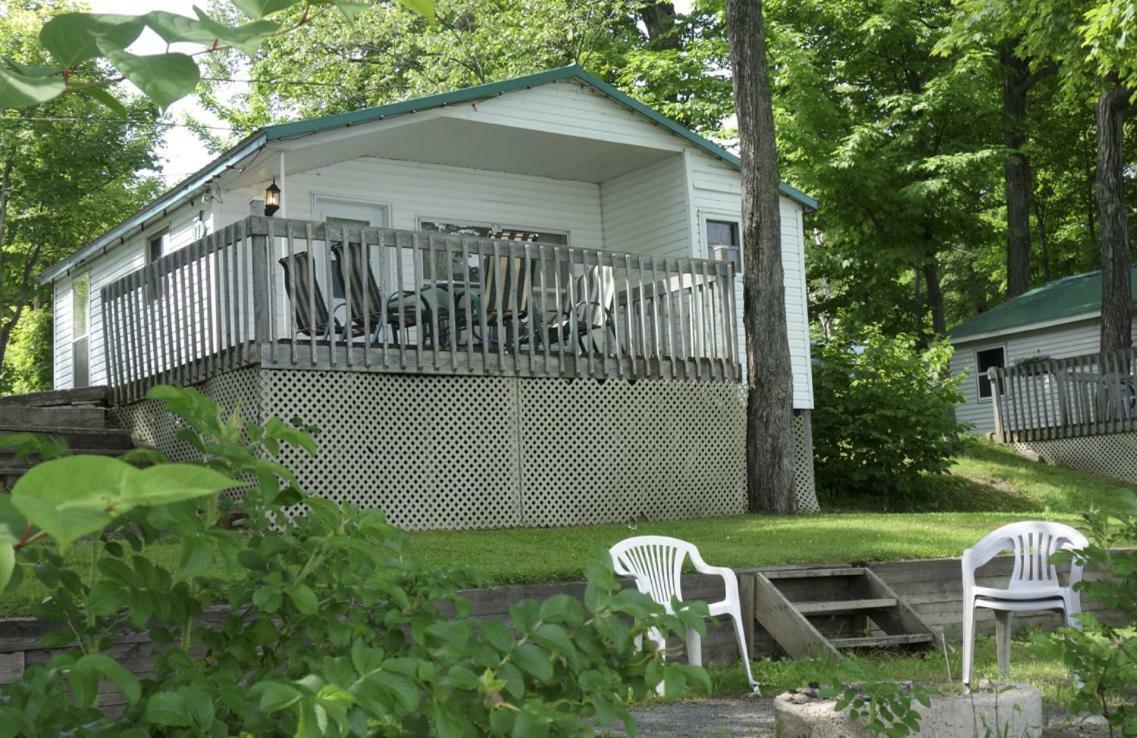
<point x="267" y="598"/>
<point x="73" y="38"/>
<point x="554" y="638"/>
<point x="173" y="28"/>
<point x="168" y="708"/>
<point x="422" y="7"/>
<point x="197" y="556"/>
<point x="12" y="523"/>
<point x="84" y="685"/>
<point x="78" y="495"/>
<point x="534" y="661"/>
<point x="275" y="696"/>
<point x="350" y="10"/>
<point x="22" y="91"/>
<point x="304" y="598"/>
<point x="107" y="667"/>
<point x="106" y="597"/>
<point x="398" y="685"/>
<point x="99" y="95"/>
<point x="68" y="497"/>
<point x="257" y="9"/>
<point x="169" y="483"/>
<point x="164" y="78"/>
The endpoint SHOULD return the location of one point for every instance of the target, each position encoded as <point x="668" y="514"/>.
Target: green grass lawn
<point x="990" y="484"/>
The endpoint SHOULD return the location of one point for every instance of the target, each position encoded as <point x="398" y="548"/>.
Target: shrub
<point x="330" y="627"/>
<point x="1103" y="658"/>
<point x="884" y="422"/>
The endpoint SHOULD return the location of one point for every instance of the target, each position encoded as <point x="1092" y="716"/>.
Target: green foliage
<point x="67" y="172"/>
<point x="884" y="422"/>
<point x="1103" y="657"/>
<point x="77" y="39"/>
<point x="884" y="707"/>
<point x="27" y="360"/>
<point x="390" y="54"/>
<point x="331" y="627"/>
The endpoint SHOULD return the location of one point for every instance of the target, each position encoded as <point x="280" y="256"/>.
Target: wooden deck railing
<point x="298" y="294"/>
<point x="1062" y="398"/>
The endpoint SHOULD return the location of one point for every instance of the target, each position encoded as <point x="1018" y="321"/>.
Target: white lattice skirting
<point x="1113" y="455"/>
<point x="487" y="452"/>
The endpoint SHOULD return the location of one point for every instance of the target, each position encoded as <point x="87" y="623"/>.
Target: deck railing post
<point x="996" y="398"/>
<point x="259" y="230"/>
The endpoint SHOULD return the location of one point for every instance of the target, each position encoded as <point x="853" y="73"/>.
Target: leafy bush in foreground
<point x="1102" y="657"/>
<point x="331" y="628"/>
<point x="884" y="421"/>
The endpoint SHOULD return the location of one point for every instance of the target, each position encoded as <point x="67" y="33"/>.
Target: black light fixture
<point x="272" y="198"/>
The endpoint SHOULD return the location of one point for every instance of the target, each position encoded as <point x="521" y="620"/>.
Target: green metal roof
<point x="1053" y="302"/>
<point x="262" y="136"/>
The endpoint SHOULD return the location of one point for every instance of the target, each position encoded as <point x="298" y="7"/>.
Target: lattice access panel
<point x="483" y="452"/>
<point x="1113" y="455"/>
<point x="152" y="426"/>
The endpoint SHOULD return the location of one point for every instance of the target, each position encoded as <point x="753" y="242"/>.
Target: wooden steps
<point x="79" y="417"/>
<point x="817" y="613"/>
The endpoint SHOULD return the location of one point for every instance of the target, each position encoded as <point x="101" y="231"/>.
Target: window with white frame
<point x="723" y="242"/>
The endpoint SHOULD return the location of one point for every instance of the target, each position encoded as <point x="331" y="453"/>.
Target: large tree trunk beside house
<point x="1017" y="81"/>
<point x="1116" y="295"/>
<point x="769" y="415"/>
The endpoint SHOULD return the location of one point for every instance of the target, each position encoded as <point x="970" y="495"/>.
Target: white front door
<point x="344" y="211"/>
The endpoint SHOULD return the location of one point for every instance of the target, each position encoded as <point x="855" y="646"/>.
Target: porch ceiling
<point x="475" y="145"/>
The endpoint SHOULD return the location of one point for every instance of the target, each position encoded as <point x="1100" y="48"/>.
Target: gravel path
<point x="741" y="718"/>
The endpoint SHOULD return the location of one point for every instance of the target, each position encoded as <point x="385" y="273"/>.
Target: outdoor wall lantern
<point x="272" y="198"/>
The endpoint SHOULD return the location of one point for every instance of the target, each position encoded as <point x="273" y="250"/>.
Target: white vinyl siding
<point x="61" y="331"/>
<point x="413" y="190"/>
<point x="570" y="109"/>
<point x="716" y="193"/>
<point x="1073" y="339"/>
<point x="645" y="211"/>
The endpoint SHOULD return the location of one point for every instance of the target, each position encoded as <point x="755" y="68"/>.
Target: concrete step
<point x="51" y="398"/>
<point x="67" y="416"/>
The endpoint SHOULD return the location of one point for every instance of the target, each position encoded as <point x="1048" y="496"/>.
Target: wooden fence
<point x="298" y="294"/>
<point x="1086" y="395"/>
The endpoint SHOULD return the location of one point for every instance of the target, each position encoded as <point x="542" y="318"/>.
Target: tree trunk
<point x="1039" y="204"/>
<point x="935" y="297"/>
<point x="1116" y="294"/>
<point x="769" y="413"/>
<point x="659" y="20"/>
<point x="1017" y="82"/>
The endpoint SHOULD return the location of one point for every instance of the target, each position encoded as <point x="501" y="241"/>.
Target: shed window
<point x="723" y="243"/>
<point x="984" y="360"/>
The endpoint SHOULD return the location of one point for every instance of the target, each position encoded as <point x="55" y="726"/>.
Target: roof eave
<point x="1024" y="328"/>
<point x="170" y="199"/>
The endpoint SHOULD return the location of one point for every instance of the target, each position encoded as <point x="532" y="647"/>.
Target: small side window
<point x="723" y="243"/>
<point x="155" y="250"/>
<point x="984" y="360"/>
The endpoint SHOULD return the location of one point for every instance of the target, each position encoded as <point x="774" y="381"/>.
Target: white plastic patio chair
<point x="1034" y="583"/>
<point x="656" y="563"/>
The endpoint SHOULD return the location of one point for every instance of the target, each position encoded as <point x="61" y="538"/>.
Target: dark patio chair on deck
<point x="310" y="314"/>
